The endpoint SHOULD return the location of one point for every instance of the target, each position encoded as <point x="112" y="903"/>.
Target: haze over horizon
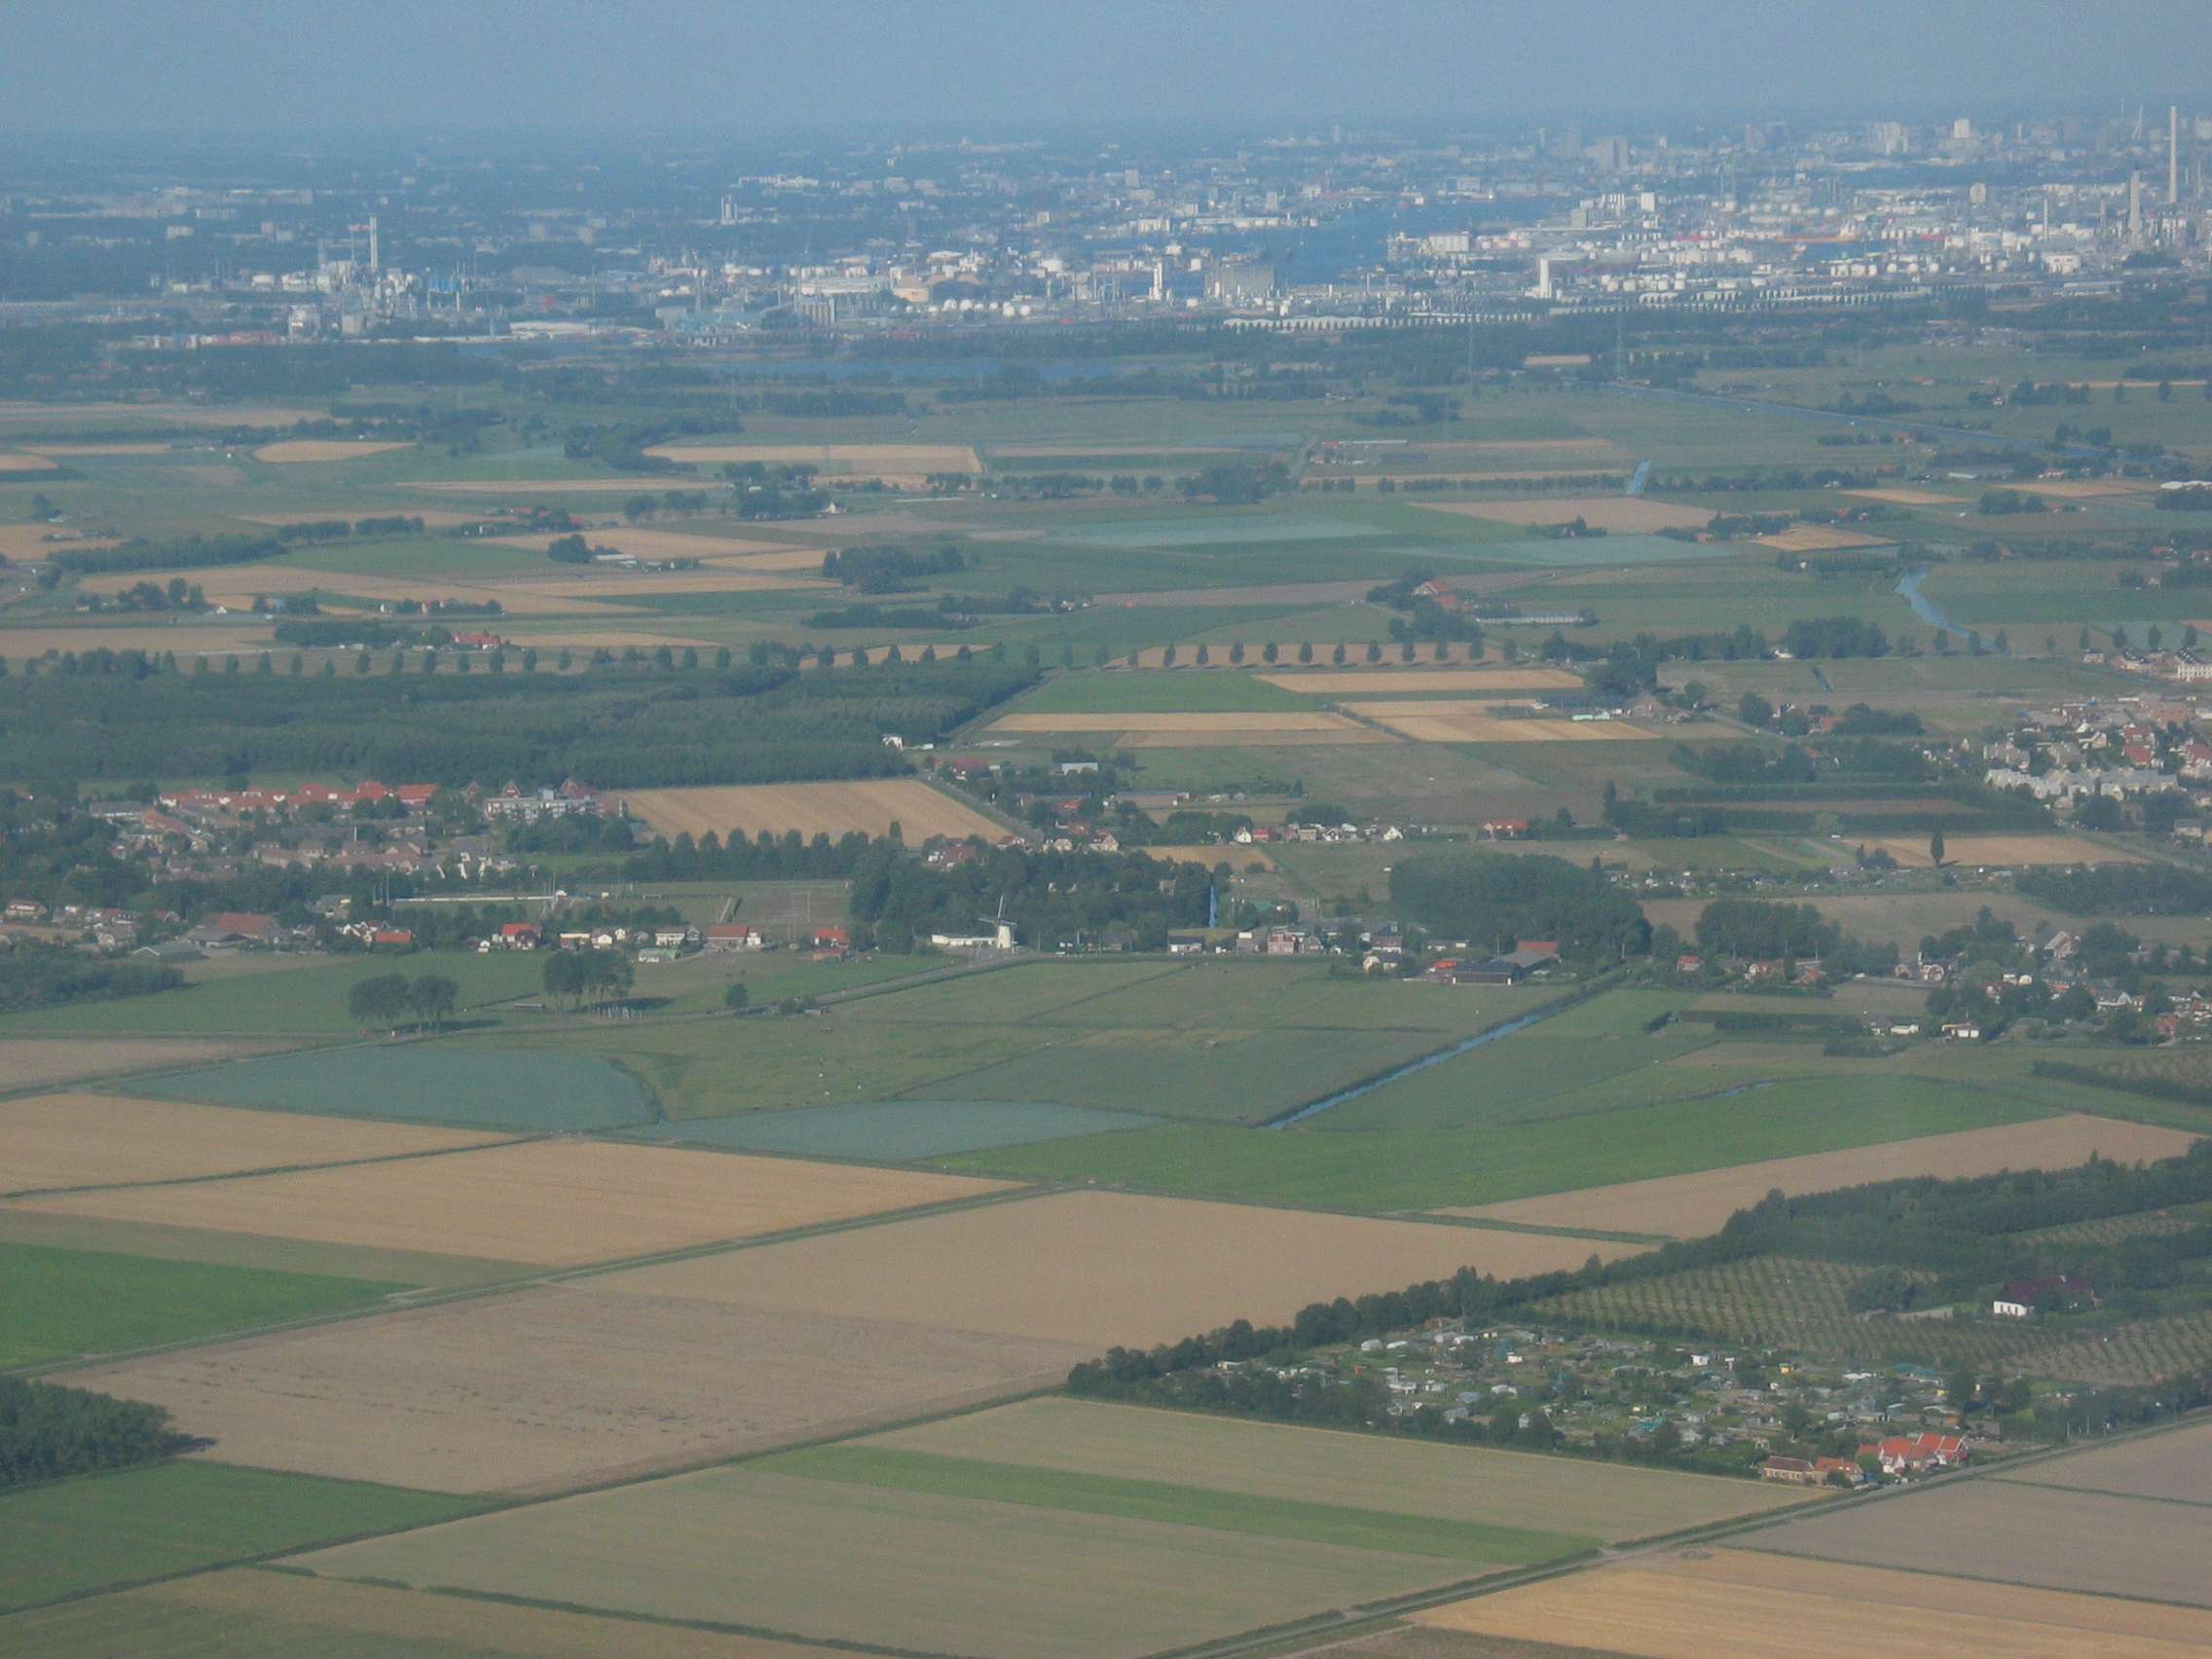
<point x="178" y="65"/>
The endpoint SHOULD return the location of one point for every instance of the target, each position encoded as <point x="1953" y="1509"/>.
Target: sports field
<point x="89" y="1140"/>
<point x="64" y="1303"/>
<point x="1095" y="1267"/>
<point x="548" y="1387"/>
<point x="493" y="1087"/>
<point x="870" y="806"/>
<point x="78" y="1535"/>
<point x="909" y="1571"/>
<point x="1692" y="1606"/>
<point x="1691" y="1206"/>
<point x="551" y="1202"/>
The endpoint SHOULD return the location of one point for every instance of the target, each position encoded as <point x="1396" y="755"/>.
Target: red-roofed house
<point x="1915" y="1453"/>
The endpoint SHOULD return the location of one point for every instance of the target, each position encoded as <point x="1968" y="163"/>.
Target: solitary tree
<point x="1935" y="849"/>
<point x="737" y="999"/>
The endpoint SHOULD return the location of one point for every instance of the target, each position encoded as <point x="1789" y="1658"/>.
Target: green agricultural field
<point x="1177" y="1503"/>
<point x="468" y="1086"/>
<point x="65" y="1304"/>
<point x="1509" y="1081"/>
<point x="1174" y="691"/>
<point x="1361" y="1472"/>
<point x="892" y="1131"/>
<point x="281" y="1000"/>
<point x="75" y="1536"/>
<point x="916" y="1572"/>
<point x="1441" y="1168"/>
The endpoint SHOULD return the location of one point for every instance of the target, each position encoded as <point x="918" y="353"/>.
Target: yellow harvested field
<point x="842" y="461"/>
<point x="1820" y="538"/>
<point x="1691" y="1206"/>
<point x="560" y="1204"/>
<point x="1252" y="739"/>
<point x="1097" y="1268"/>
<point x="1738" y="1603"/>
<point x="98" y="449"/>
<point x="1336" y="683"/>
<point x="1911" y="851"/>
<point x="2081" y="489"/>
<point x="33" y="1062"/>
<point x="1627" y="515"/>
<point x="663" y="544"/>
<point x="51" y="1141"/>
<point x="1910" y="498"/>
<point x="1556" y="360"/>
<point x="152" y="637"/>
<point x="1440" y="721"/>
<point x="27" y="463"/>
<point x="868" y="805"/>
<point x="29" y="542"/>
<point x="327" y="1614"/>
<point x="1258" y="721"/>
<point x="1243" y="858"/>
<point x="295" y="451"/>
<point x="553" y="1386"/>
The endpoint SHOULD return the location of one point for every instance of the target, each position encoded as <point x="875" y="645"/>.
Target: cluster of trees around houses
<point x="1922" y="1240"/>
<point x="48" y="1432"/>
<point x="47" y="977"/>
<point x="2122" y="890"/>
<point x="634" y="726"/>
<point x="898" y="903"/>
<point x="889" y="569"/>
<point x="1493" y="902"/>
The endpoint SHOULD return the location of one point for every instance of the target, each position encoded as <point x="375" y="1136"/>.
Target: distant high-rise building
<point x="2173" y="154"/>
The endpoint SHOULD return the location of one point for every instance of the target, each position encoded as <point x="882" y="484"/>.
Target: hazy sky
<point x="765" y="66"/>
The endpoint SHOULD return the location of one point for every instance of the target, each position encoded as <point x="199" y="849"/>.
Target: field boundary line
<point x="277" y="1169"/>
<point x="2102" y="1491"/>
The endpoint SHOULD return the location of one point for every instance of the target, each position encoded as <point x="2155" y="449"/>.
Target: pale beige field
<point x="1818" y="538"/>
<point x="252" y="1612"/>
<point x="559" y="1202"/>
<point x="2028" y="1536"/>
<point x="846" y="461"/>
<point x="1282" y="1460"/>
<point x="1271" y="720"/>
<point x="557" y="1386"/>
<point x="1098" y="1267"/>
<point x="1623" y="514"/>
<point x="90" y="1140"/>
<point x="27" y="463"/>
<point x="1911" y="851"/>
<point x="1910" y="498"/>
<point x="98" y="449"/>
<point x="1253" y="739"/>
<point x="613" y="636"/>
<point x="2078" y="489"/>
<point x="1243" y="858"/>
<point x="1734" y="1602"/>
<point x="34" y="1062"/>
<point x="531" y="487"/>
<point x="2176" y="1466"/>
<point x="1155" y="656"/>
<point x="724" y="577"/>
<point x="868" y="805"/>
<point x="434" y="518"/>
<point x="1331" y="682"/>
<point x="27" y="542"/>
<point x="649" y="543"/>
<point x="1441" y="721"/>
<point x="1691" y="1206"/>
<point x="297" y="451"/>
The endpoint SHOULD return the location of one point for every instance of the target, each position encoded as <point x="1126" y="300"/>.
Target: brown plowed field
<point x="91" y="1140"/>
<point x="556" y="1203"/>
<point x="868" y="805"/>
<point x="1623" y="515"/>
<point x="1911" y="851"/>
<point x="1737" y="1602"/>
<point x="1097" y="1268"/>
<point x="264" y="1614"/>
<point x="557" y="1385"/>
<point x="32" y="1062"/>
<point x="1691" y="1206"/>
<point x="27" y="542"/>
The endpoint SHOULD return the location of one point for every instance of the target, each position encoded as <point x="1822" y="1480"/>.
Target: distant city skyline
<point x="865" y="69"/>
